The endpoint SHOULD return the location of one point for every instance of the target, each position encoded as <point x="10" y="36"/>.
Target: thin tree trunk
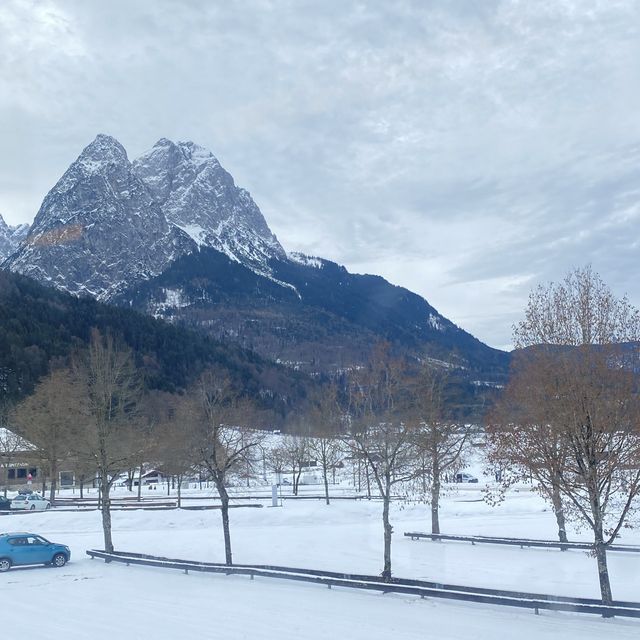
<point x="558" y="509"/>
<point x="600" y="550"/>
<point x="435" y="492"/>
<point x="106" y="516"/>
<point x="179" y="492"/>
<point x="366" y="471"/>
<point x="296" y="480"/>
<point x="326" y="483"/>
<point x="54" y="484"/>
<point x="603" y="573"/>
<point x="224" y="511"/>
<point x="435" y="506"/>
<point x="388" y="530"/>
<point x="140" y="484"/>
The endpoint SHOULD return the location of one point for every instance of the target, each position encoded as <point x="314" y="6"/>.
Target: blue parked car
<point x="17" y="549"/>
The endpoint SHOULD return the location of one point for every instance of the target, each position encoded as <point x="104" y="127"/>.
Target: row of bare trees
<point x="388" y="418"/>
<point x="570" y="416"/>
<point x="398" y="427"/>
<point x="568" y="420"/>
<point x="94" y="415"/>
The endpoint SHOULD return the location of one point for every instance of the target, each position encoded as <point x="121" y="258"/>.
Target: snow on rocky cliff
<point x="198" y="196"/>
<point x="11" y="237"/>
<point x="99" y="229"/>
<point x="109" y="223"/>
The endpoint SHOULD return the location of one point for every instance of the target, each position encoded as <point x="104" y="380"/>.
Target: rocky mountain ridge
<point x="108" y="223"/>
<point x="10" y="237"/>
<point x="99" y="229"/>
<point x="199" y="197"/>
<point x="171" y="235"/>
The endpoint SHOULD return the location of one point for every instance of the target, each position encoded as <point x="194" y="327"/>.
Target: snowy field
<point x="90" y="599"/>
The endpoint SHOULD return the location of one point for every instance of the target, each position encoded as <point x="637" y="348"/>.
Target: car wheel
<point x="59" y="560"/>
<point x="33" y="506"/>
<point x="5" y="564"/>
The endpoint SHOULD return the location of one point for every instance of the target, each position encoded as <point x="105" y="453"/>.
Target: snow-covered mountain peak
<point x="10" y="237"/>
<point x="99" y="230"/>
<point x="199" y="197"/>
<point x="103" y="151"/>
<point x="4" y="227"/>
<point x="109" y="223"/>
<point x="197" y="155"/>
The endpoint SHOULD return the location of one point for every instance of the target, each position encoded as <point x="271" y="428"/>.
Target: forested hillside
<point x="38" y="324"/>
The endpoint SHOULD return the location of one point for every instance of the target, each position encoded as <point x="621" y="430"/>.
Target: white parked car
<point x="30" y="502"/>
<point x="465" y="477"/>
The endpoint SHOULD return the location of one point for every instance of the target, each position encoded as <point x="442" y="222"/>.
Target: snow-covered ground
<point x="97" y="600"/>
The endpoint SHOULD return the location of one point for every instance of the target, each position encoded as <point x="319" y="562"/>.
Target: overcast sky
<point x="467" y="150"/>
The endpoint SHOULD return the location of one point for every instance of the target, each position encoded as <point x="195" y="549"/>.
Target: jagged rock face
<point x="197" y="195"/>
<point x="99" y="230"/>
<point x="11" y="237"/>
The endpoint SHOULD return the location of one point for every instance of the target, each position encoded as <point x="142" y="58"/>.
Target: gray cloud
<point x="466" y="150"/>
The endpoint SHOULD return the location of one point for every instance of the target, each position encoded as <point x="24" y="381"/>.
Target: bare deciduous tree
<point x="440" y="442"/>
<point x="176" y="449"/>
<point x="326" y="421"/>
<point x="112" y="389"/>
<point x="296" y="455"/>
<point x="380" y="434"/>
<point x="521" y="431"/>
<point x="10" y="444"/>
<point x="49" y="418"/>
<point x="329" y="451"/>
<point x="276" y="459"/>
<point x="225" y="442"/>
<point x="586" y="340"/>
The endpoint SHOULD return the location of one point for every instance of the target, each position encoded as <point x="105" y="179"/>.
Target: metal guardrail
<point x="267" y="496"/>
<point x="420" y="588"/>
<point x="117" y="503"/>
<point x="81" y="508"/>
<point x="519" y="542"/>
<point x="284" y="496"/>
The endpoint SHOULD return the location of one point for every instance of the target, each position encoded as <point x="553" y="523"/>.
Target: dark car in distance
<point x="19" y="549"/>
<point x="5" y="504"/>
